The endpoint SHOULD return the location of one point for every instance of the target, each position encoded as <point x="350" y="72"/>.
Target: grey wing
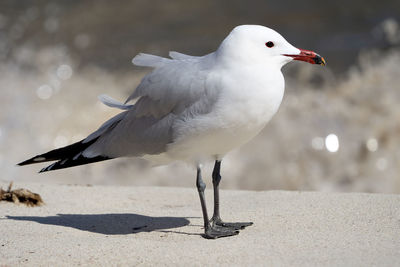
<point x="174" y="90"/>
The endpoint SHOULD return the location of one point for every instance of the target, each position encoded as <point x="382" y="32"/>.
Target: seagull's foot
<point x="235" y="225"/>
<point x="216" y="221"/>
<point x="215" y="231"/>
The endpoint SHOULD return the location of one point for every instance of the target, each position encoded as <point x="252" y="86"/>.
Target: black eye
<point x="269" y="44"/>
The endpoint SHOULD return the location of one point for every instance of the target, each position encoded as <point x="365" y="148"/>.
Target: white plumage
<point x="197" y="108"/>
<point x="194" y="109"/>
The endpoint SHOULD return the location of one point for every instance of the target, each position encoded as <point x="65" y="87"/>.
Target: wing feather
<point x="180" y="56"/>
<point x="147" y="60"/>
<point x="174" y="91"/>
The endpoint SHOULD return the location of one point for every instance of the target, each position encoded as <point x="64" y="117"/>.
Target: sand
<point x="110" y="225"/>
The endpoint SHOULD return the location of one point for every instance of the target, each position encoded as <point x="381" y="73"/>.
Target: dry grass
<point x="21" y="195"/>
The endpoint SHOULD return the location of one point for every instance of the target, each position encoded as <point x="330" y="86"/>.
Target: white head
<point x="254" y="44"/>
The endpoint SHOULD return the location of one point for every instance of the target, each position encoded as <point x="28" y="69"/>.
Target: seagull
<point x="194" y="109"/>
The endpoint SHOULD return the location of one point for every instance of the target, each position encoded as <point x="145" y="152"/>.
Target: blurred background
<point x="338" y="128"/>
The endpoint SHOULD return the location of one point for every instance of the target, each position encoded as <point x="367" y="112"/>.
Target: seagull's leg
<point x="216" y="218"/>
<point x="209" y="230"/>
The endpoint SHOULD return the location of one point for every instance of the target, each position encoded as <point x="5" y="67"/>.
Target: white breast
<point x="241" y="112"/>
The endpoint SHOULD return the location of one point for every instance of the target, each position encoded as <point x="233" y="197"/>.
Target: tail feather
<point x="65" y="157"/>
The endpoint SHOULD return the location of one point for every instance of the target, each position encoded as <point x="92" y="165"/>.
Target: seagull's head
<point x="253" y="44"/>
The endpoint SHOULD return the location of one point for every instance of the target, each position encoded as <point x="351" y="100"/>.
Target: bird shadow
<point x="109" y="224"/>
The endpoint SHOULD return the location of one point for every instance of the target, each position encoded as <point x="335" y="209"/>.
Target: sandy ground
<point x="108" y="225"/>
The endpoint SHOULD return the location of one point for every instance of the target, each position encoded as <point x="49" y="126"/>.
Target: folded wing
<point x="175" y="90"/>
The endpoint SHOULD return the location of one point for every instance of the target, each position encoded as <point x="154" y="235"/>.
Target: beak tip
<point x="323" y="62"/>
<point x="319" y="60"/>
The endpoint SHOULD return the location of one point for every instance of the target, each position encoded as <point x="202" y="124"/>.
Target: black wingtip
<point x="35" y="159"/>
<point x="48" y="168"/>
<point x="59" y="153"/>
<point x="65" y="157"/>
<point x="72" y="162"/>
<point x="25" y="162"/>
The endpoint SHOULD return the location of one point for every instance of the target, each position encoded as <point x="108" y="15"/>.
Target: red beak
<point x="308" y="56"/>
